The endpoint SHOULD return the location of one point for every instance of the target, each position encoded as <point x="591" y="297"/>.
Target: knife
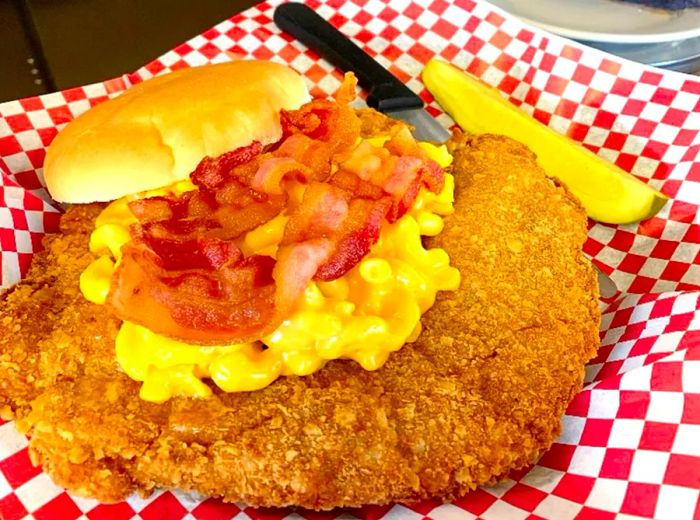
<point x="386" y="93"/>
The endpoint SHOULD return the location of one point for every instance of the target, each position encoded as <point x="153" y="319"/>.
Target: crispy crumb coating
<point x="481" y="392"/>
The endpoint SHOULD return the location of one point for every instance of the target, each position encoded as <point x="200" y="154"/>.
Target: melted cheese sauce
<point x="370" y="312"/>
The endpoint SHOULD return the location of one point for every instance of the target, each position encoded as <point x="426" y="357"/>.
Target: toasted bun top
<point x="157" y="132"/>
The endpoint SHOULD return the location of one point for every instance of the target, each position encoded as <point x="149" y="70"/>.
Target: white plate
<point x="605" y="20"/>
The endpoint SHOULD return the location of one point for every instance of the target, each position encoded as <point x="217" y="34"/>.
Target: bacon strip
<point x="183" y="275"/>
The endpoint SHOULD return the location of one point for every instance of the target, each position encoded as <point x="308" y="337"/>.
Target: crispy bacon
<point x="183" y="274"/>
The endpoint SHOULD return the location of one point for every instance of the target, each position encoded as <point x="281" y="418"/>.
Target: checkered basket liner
<point x="631" y="438"/>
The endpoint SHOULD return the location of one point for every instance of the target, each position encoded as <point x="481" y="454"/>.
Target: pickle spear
<point x="608" y="193"/>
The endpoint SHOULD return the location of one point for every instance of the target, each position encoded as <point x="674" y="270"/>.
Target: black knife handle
<point x="386" y="92"/>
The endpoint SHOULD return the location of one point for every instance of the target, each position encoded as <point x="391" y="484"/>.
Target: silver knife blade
<point x="426" y="127"/>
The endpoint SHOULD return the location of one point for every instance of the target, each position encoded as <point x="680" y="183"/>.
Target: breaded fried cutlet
<point x="479" y="393"/>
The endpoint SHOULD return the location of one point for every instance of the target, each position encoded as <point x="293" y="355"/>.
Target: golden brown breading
<point x="481" y="391"/>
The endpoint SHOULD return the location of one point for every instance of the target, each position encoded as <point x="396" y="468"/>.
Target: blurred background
<point x="48" y="45"/>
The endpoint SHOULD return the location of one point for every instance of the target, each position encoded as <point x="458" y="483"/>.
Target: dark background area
<point x="48" y="45"/>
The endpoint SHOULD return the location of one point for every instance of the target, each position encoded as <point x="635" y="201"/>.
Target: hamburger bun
<point x="157" y="132"/>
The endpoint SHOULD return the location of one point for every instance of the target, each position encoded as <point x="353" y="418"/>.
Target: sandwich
<point x="284" y="301"/>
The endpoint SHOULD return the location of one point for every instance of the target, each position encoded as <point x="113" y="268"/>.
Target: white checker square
<point x="38" y="491"/>
<point x="23" y="241"/>
<point x="653" y="267"/>
<point x="665" y="407"/>
<point x="84" y="504"/>
<point x="29" y="140"/>
<point x="604" y="404"/>
<point x="501" y="488"/>
<point x="500" y="510"/>
<point x="685" y="252"/>
<point x="574" y="92"/>
<point x="667" y="342"/>
<point x="689" y="192"/>
<point x="587" y="461"/>
<point x="632" y="363"/>
<point x="655" y="327"/>
<point x="607" y="494"/>
<point x="691" y="378"/>
<point x="675" y="502"/>
<point x="450" y="512"/>
<point x="626" y="433"/>
<point x="648" y="466"/>
<point x="687" y="440"/>
<point x="137" y="503"/>
<point x="427" y="18"/>
<point x="5" y="487"/>
<point x="11" y="108"/>
<point x="77" y="107"/>
<point x="596" y="136"/>
<point x="544" y="479"/>
<point x="572" y="429"/>
<point x="350" y="10"/>
<point x="456" y="16"/>
<point x="399" y="512"/>
<point x="95" y="90"/>
<point x="18" y="162"/>
<point x="693" y="272"/>
<point x="556" y="507"/>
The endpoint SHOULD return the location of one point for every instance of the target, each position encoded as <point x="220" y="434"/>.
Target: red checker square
<point x="500" y="39"/>
<point x="474" y="45"/>
<point x="558" y="456"/>
<point x="663" y="96"/>
<point x="596" y="432"/>
<point x="622" y="240"/>
<point x="390" y="33"/>
<point x="7" y="240"/>
<point x="690" y="341"/>
<point x="46" y="135"/>
<point x="413" y="11"/>
<point x="574" y="487"/>
<point x="25" y="261"/>
<point x="611" y="67"/>
<point x="615" y="140"/>
<point x="622" y="87"/>
<point x="643" y="127"/>
<point x="371" y="512"/>
<point x="365" y="36"/>
<point x="165" y="506"/>
<point x="28" y="180"/>
<point x="11" y="508"/>
<point x="583" y="74"/>
<point x="524" y="496"/>
<point x="263" y="53"/>
<point x="556" y="85"/>
<point x="31" y="103"/>
<point x="155" y="67"/>
<point x="236" y="33"/>
<point x="602" y="355"/>
<point x="578" y="131"/>
<point x="604" y="119"/>
<point x="571" y="53"/>
<point x="633" y="107"/>
<point x="18" y="469"/>
<point x="74" y="94"/>
<point x="607" y="376"/>
<point x="617" y="463"/>
<point x="593" y="98"/>
<point x="664" y="249"/>
<point x="662" y="307"/>
<point x="640" y="499"/>
<point x="212" y="33"/>
<point x="691" y="85"/>
<point x="362" y="18"/>
<point x="420" y="52"/>
<point x="495" y="19"/>
<point x="36" y="157"/>
<point x="691" y="408"/>
<point x="691" y="153"/>
<point x="289" y="52"/>
<point x="667" y="376"/>
<point x="467" y="5"/>
<point x="632" y="263"/>
<point x="9" y="145"/>
<point x="591" y="513"/>
<point x="416" y="31"/>
<point x="476" y="502"/>
<point x="622" y="317"/>
<point x="542" y="116"/>
<point x="626" y="161"/>
<point x="183" y="49"/>
<point x="269" y="513"/>
<point x="656" y="150"/>
<point x="683" y="470"/>
<point x="508" y="84"/>
<point x="658" y="436"/>
<point x="399" y="73"/>
<point x="547" y="62"/>
<point x="643" y="346"/>
<point x="532" y="96"/>
<point x="566" y="109"/>
<point x="652" y="78"/>
<point x="209" y="50"/>
<point x="19" y="219"/>
<point x="119" y="511"/>
<point x="580" y="404"/>
<point x="338" y="19"/>
<point x="179" y="64"/>
<point x="675" y="271"/>
<point x="438" y="6"/>
<point x="683" y="211"/>
<point x="675" y="117"/>
<point x="60" y="507"/>
<point x="19" y="122"/>
<point x="444" y="29"/>
<point x="641" y="284"/>
<point x="424" y="506"/>
<point x="51" y="221"/>
<point x="450" y="51"/>
<point x="60" y="114"/>
<point x="654" y="227"/>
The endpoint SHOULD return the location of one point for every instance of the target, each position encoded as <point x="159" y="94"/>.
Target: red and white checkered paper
<point x="631" y="439"/>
